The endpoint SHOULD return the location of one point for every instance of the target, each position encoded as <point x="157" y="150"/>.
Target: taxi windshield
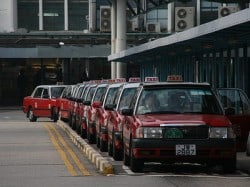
<point x="178" y="100"/>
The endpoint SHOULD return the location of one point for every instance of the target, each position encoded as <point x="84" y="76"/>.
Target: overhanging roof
<point x="221" y="34"/>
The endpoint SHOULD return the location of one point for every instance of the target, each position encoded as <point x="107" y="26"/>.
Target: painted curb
<point x="102" y="164"/>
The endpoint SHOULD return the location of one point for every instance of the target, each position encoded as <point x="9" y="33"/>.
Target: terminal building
<point x="71" y="41"/>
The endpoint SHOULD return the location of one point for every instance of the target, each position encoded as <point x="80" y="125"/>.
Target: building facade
<point x="70" y="41"/>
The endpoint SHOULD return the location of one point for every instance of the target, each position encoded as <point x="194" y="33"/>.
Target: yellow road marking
<point x="79" y="164"/>
<point x="61" y="152"/>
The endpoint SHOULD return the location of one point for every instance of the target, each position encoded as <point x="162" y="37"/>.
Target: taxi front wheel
<point x="31" y="116"/>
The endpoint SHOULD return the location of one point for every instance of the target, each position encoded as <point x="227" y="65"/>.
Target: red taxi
<point x="115" y="120"/>
<point x="63" y="103"/>
<point x="87" y="118"/>
<point x="42" y="102"/>
<point x="102" y="114"/>
<point x="237" y="102"/>
<point x="76" y="106"/>
<point x="177" y="122"/>
<point x="72" y="102"/>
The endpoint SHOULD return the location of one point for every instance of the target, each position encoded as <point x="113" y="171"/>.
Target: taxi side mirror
<point x="88" y="103"/>
<point x="127" y="112"/>
<point x="109" y="107"/>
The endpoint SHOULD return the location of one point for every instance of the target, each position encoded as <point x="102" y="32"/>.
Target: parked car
<point x="237" y="102"/>
<point x="102" y="115"/>
<point x="115" y="120"/>
<point x="63" y="103"/>
<point x="177" y="122"/>
<point x="42" y="102"/>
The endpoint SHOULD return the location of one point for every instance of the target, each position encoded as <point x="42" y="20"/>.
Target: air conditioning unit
<point x="105" y="19"/>
<point x="135" y="24"/>
<point x="153" y="27"/>
<point x="132" y="22"/>
<point x="227" y="10"/>
<point x="184" y="18"/>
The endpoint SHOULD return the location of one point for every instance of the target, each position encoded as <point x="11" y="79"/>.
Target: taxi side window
<point x="245" y="103"/>
<point x="38" y="93"/>
<point x="45" y="93"/>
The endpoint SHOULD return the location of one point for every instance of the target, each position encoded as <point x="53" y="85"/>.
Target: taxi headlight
<point x="221" y="132"/>
<point x="149" y="132"/>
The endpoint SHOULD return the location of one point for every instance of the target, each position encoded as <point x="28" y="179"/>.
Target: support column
<point x="66" y="15"/>
<point x="113" y="37"/>
<point x="92" y="15"/>
<point x="40" y="15"/>
<point x="121" y="41"/>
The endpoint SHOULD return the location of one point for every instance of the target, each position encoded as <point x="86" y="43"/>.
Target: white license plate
<point x="185" y="149"/>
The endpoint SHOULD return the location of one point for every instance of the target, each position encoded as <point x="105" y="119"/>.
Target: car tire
<point x="136" y="165"/>
<point x="229" y="165"/>
<point x="54" y="114"/>
<point x="31" y="116"/>
<point x="248" y="145"/>
<point x="103" y="145"/>
<point x="117" y="153"/>
<point x="126" y="159"/>
<point x="110" y="148"/>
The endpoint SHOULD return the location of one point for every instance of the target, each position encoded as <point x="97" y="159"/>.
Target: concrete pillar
<point x="113" y="37"/>
<point x="121" y="40"/>
<point x="66" y="15"/>
<point x="92" y="15"/>
<point x="8" y="15"/>
<point x="40" y="15"/>
<point x="171" y="17"/>
<point x="198" y="12"/>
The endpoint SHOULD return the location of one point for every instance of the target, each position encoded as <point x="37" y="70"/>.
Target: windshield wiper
<point x="163" y="112"/>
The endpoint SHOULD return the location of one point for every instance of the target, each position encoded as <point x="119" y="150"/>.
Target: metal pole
<point x="113" y="37"/>
<point x="92" y="15"/>
<point x="66" y="15"/>
<point x="40" y="15"/>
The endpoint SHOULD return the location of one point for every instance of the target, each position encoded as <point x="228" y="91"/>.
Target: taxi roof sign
<point x="174" y="78"/>
<point x="151" y="79"/>
<point x="134" y="79"/>
<point x="117" y="80"/>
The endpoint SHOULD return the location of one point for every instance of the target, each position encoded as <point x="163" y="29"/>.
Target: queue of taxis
<point x="171" y="122"/>
<point x="43" y="102"/>
<point x="151" y="121"/>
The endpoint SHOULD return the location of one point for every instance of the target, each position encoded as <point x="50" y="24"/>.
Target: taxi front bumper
<point x="166" y="150"/>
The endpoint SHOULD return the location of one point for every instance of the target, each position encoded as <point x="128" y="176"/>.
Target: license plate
<point x="185" y="149"/>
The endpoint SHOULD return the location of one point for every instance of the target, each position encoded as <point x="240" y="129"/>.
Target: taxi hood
<point x="182" y="119"/>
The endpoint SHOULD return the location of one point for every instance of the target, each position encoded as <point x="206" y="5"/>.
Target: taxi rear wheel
<point x="103" y="145"/>
<point x="54" y="114"/>
<point x="31" y="116"/>
<point x="117" y="153"/>
<point x="229" y="165"/>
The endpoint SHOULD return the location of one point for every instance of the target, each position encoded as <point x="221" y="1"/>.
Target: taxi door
<point x="44" y="104"/>
<point x="237" y="100"/>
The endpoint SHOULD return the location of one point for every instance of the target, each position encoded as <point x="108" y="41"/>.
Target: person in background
<point x="21" y="85"/>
